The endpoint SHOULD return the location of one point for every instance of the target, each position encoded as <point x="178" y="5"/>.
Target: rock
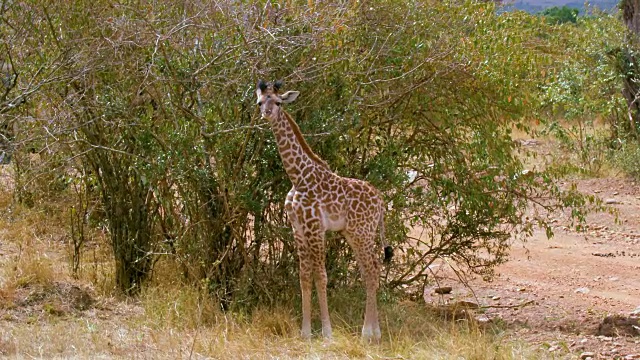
<point x="522" y="289"/>
<point x="495" y="298"/>
<point x="529" y="142"/>
<point x="483" y="319"/>
<point x="443" y="290"/>
<point x="632" y="356"/>
<point x="611" y="201"/>
<point x="411" y="175"/>
<point x="615" y="193"/>
<point x="462" y="304"/>
<point x="615" y="325"/>
<point x="587" y="355"/>
<point x="582" y="290"/>
<point x="609" y="254"/>
<point x="636" y="312"/>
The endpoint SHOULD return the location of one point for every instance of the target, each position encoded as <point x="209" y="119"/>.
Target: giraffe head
<point x="270" y="101"/>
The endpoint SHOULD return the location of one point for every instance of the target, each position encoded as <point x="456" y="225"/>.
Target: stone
<point x="443" y="290"/>
<point x="581" y="290"/>
<point x="616" y="325"/>
<point x="587" y="355"/>
<point x="463" y="304"/>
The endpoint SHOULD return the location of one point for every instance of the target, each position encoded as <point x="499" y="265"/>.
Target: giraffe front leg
<point x="306" y="283"/>
<point x="320" y="275"/>
<point x="306" y="270"/>
<point x="305" y="287"/>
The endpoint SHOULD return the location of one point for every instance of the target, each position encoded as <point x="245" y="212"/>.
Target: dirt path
<point x="573" y="281"/>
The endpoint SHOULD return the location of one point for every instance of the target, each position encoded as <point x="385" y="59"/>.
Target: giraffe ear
<point x="289" y="96"/>
<point x="262" y="86"/>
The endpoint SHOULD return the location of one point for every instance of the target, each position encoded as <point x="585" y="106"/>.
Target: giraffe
<point x="321" y="201"/>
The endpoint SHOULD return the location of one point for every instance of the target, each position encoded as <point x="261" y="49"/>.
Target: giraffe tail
<point x="388" y="250"/>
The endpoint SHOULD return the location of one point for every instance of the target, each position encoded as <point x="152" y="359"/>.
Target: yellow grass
<point x="172" y="320"/>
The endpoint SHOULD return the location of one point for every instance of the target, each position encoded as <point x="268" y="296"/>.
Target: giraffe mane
<point x="305" y="147"/>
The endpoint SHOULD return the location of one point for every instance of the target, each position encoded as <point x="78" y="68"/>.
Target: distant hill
<point x="534" y="6"/>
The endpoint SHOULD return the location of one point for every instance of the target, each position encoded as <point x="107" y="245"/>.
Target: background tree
<point x="560" y="15"/>
<point x="627" y="62"/>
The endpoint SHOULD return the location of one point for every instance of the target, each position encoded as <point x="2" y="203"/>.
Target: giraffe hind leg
<point x="364" y="248"/>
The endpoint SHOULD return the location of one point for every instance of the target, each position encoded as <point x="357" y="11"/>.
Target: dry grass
<point x="270" y="333"/>
<point x="46" y="314"/>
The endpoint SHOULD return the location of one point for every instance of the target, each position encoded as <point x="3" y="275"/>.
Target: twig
<point x="508" y="306"/>
<point x="193" y="344"/>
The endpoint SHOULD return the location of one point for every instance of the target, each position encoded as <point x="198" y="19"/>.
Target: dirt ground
<point x="572" y="282"/>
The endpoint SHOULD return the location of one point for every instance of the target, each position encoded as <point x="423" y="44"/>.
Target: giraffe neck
<point x="302" y="165"/>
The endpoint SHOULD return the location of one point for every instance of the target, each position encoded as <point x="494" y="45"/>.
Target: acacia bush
<point x="582" y="102"/>
<point x="150" y="112"/>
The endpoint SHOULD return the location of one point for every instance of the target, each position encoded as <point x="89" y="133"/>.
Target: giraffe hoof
<point x="305" y="334"/>
<point x="369" y="336"/>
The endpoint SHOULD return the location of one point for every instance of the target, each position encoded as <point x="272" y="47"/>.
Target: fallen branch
<point x="507" y="306"/>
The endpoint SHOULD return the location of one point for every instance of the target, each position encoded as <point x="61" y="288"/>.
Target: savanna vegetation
<point x="136" y="147"/>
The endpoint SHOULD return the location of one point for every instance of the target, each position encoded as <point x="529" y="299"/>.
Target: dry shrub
<point x="150" y="115"/>
<point x="178" y="306"/>
<point x="32" y="239"/>
<point x="33" y="267"/>
<point x="279" y="322"/>
<point x="7" y="347"/>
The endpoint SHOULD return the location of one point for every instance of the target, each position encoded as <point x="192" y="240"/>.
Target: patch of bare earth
<point x="30" y="301"/>
<point x="577" y="294"/>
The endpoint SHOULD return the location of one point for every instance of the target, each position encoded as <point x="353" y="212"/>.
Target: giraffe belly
<point x="333" y="222"/>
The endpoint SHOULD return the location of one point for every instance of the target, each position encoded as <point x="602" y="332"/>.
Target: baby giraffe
<point x="321" y="201"/>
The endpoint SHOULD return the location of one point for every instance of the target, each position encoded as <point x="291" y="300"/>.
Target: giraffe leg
<point x="305" y="287"/>
<point x="320" y="275"/>
<point x="371" y="327"/>
<point x="370" y="270"/>
<point x="305" y="261"/>
<point x="306" y="282"/>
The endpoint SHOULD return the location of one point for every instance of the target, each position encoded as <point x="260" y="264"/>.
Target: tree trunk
<point x="629" y="63"/>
